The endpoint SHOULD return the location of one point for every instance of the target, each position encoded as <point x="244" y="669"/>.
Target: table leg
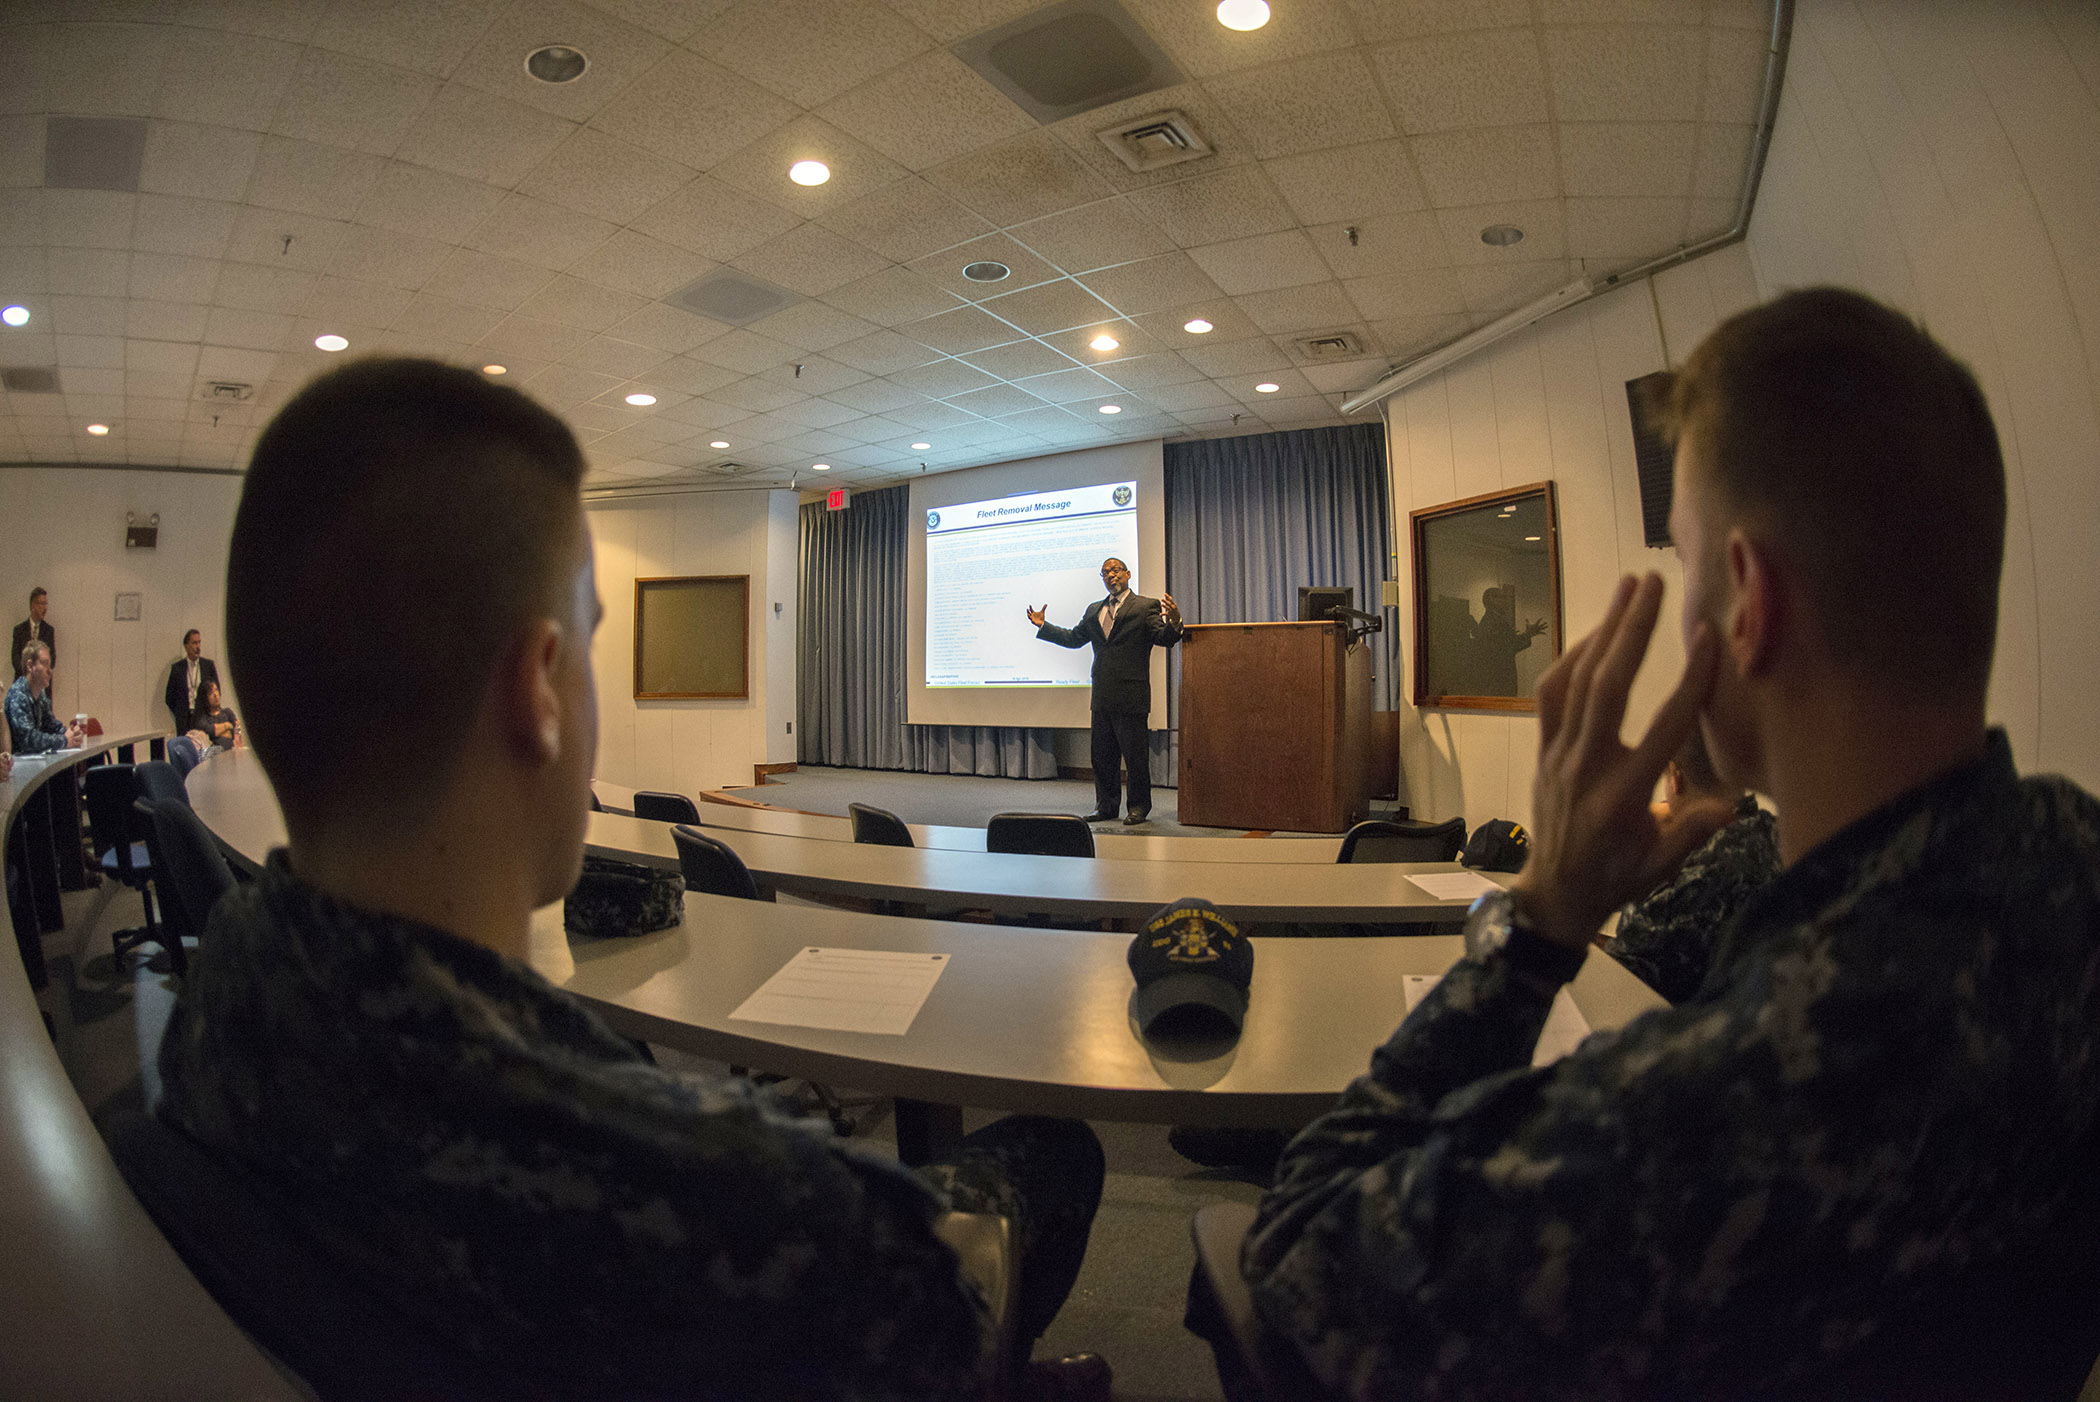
<point x="66" y="834"/>
<point x="22" y="902"/>
<point x="927" y="1133"/>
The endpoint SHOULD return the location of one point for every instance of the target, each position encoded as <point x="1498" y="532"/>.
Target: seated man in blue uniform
<point x="361" y="1035"/>
<point x="1858" y="1160"/>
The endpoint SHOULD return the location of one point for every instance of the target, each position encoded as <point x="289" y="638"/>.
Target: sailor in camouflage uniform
<point x="1859" y="1159"/>
<point x="1667" y="936"/>
<point x="360" y="1037"/>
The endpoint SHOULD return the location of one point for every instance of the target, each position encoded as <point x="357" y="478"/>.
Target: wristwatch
<point x="1495" y="924"/>
<point x="1489" y="920"/>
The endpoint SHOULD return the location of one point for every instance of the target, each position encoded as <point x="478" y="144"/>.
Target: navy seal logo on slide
<point x="1122" y="496"/>
<point x="933" y="520"/>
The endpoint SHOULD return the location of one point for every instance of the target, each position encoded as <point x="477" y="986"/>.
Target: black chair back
<point x="1379" y="840"/>
<point x="159" y="782"/>
<point x="878" y="826"/>
<point x="665" y="807"/>
<point x="596" y="806"/>
<point x="711" y="866"/>
<point x="189" y="868"/>
<point x="111" y="790"/>
<point x="1039" y="834"/>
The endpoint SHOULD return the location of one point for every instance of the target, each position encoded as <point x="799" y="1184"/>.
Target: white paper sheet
<point x="846" y="990"/>
<point x="1454" y="885"/>
<point x="1564" y="1030"/>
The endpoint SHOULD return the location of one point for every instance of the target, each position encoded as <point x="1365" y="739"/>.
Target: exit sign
<point x="835" y="499"/>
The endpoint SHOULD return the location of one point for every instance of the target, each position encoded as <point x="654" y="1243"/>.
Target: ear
<point x="531" y="700"/>
<point x="1756" y="609"/>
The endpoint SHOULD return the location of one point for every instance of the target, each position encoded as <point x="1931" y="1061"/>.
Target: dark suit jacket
<point x="45" y="631"/>
<point x="184" y="707"/>
<point x="1122" y="659"/>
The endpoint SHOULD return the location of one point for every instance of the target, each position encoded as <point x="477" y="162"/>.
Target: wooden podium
<point x="1275" y="727"/>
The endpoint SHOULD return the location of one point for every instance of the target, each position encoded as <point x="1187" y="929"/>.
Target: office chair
<point x="1381" y="840"/>
<point x="1253" y="1365"/>
<point x="711" y="866"/>
<point x="159" y="781"/>
<point x="665" y="807"/>
<point x="878" y="826"/>
<point x="189" y="870"/>
<point x="1039" y="834"/>
<point x="123" y="852"/>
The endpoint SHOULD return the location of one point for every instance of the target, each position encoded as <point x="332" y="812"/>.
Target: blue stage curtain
<point x="1250" y="519"/>
<point x="850" y="640"/>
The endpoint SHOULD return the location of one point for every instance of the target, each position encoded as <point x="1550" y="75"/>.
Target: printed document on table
<point x="846" y="990"/>
<point x="1454" y="885"/>
<point x="1564" y="1030"/>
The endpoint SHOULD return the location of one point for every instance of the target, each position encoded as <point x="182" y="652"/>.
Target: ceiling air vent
<point x="29" y="379"/>
<point x="94" y="153"/>
<point x="736" y="298"/>
<point x="1331" y="345"/>
<point x="1070" y="58"/>
<point x="226" y="392"/>
<point x="1162" y="139"/>
<point x="729" y="469"/>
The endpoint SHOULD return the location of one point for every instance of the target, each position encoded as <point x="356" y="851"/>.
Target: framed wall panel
<point x="1487" y="586"/>
<point x="692" y="637"/>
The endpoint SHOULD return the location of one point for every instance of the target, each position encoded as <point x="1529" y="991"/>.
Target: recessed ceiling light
<point x="809" y="172"/>
<point x="1243" y="14"/>
<point x="1111" y="408"/>
<point x="987" y="271"/>
<point x="1267" y="387"/>
<point x="920" y="447"/>
<point x="556" y="63"/>
<point x="99" y="430"/>
<point x="331" y="342"/>
<point x="1197" y="327"/>
<point x="1104" y="342"/>
<point x="719" y="443"/>
<point x="820" y="467"/>
<point x="495" y="369"/>
<point x="640" y="400"/>
<point x="15" y="316"/>
<point x="1501" y="235"/>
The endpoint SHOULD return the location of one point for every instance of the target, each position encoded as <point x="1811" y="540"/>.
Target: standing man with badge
<point x="1123" y="629"/>
<point x="186" y="679"/>
<point x="34" y="629"/>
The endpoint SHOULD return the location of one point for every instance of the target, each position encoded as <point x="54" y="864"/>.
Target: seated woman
<point x="221" y="726"/>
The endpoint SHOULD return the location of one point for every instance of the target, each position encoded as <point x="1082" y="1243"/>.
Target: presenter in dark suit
<point x="1123" y="629"/>
<point x="187" y="677"/>
<point x="34" y="629"/>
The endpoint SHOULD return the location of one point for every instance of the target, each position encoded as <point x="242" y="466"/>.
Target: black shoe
<point x="1077" y="1377"/>
<point x="1256" y="1149"/>
<point x="1136" y="816"/>
<point x="1097" y="816"/>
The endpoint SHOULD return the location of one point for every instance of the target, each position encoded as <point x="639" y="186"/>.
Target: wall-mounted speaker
<point x="1653" y="457"/>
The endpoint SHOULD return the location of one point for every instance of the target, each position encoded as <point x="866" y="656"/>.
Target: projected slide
<point x="989" y="562"/>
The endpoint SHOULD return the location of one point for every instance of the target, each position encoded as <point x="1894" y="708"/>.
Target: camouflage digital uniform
<point x="480" y="1149"/>
<point x="1667" y="937"/>
<point x="1890" y="1081"/>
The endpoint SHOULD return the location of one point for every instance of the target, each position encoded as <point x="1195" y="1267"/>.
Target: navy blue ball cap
<point x="1193" y="968"/>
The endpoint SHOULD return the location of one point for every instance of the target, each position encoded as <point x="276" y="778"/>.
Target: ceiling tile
<point x="818" y="413"/>
<point x="810" y="51"/>
<point x="165" y="321"/>
<point x="905" y="221"/>
<point x="1625" y="158"/>
<point x="211" y="163"/>
<point x="1196" y="394"/>
<point x="1491" y="291"/>
<point x="812" y="326"/>
<point x="1348" y="183"/>
<point x="91" y="353"/>
<point x="996" y="400"/>
<point x="1318" y="307"/>
<point x="1094" y="236"/>
<point x="433" y="35"/>
<point x="641" y="265"/>
<point x="532" y="231"/>
<point x="604" y="176"/>
<point x="619" y="53"/>
<point x="485" y="280"/>
<point x="1319" y="101"/>
<point x="1345" y="377"/>
<point x="1488" y="78"/>
<point x="1151" y="285"/>
<point x="417" y="200"/>
<point x="228" y="80"/>
<point x="1069" y="386"/>
<point x="1624" y="228"/>
<point x="79" y="218"/>
<point x="311" y="178"/>
<point x="960" y="331"/>
<point x="1237" y="358"/>
<point x="1080" y="135"/>
<point x="427" y="315"/>
<point x="1379" y="20"/>
<point x="694" y="112"/>
<point x="1077" y="343"/>
<point x="259" y="331"/>
<point x="1289" y="385"/>
<point x="171" y="277"/>
<point x="811" y="260"/>
<point x="1723" y="161"/>
<point x="1021" y="179"/>
<point x="1544" y="222"/>
<point x="1260" y="264"/>
<point x="883" y="353"/>
<point x="574" y="302"/>
<point x="342" y="101"/>
<point x="876" y="396"/>
<point x="694" y="377"/>
<point x="354" y="303"/>
<point x="1229" y="204"/>
<point x="1626" y="73"/>
<point x="943" y="379"/>
<point x="470" y="133"/>
<point x="1394" y="243"/>
<point x="675" y="20"/>
<point x="1708" y="218"/>
<point x="761" y="168"/>
<point x="1228" y="323"/>
<point x="716" y="221"/>
<point x="103" y="69"/>
<point x="1433" y="292"/>
<point x="543" y="340"/>
<point x="609" y="355"/>
<point x="891" y="297"/>
<point x="1050" y="307"/>
<point x="22" y="150"/>
<point x="284" y="239"/>
<point x="946" y="268"/>
<point x="667" y="328"/>
<point x="1192" y="34"/>
<point x="1618" y="12"/>
<point x="381" y="255"/>
<point x="746" y="351"/>
<point x="1487" y="165"/>
<point x="1151" y="373"/>
<point x="1735" y="74"/>
<point x="1019" y="360"/>
<point x="89" y="272"/>
<point x="928" y="110"/>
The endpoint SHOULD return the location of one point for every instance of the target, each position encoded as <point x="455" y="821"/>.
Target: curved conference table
<point x="1022" y="1018"/>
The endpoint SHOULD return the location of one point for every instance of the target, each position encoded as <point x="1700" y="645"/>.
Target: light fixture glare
<point x="1197" y="327"/>
<point x="99" y="430"/>
<point x="1111" y="408"/>
<point x="809" y="172"/>
<point x="920" y="447"/>
<point x="331" y="342"/>
<point x="495" y="369"/>
<point x="820" y="467"/>
<point x="719" y="443"/>
<point x="1104" y="342"/>
<point x="640" y="400"/>
<point x="15" y="316"/>
<point x="1243" y="14"/>
<point x="1267" y="387"/>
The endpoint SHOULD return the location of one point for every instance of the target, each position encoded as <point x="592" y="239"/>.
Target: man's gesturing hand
<point x="1037" y="616"/>
<point x="1595" y="843"/>
<point x="1170" y="610"/>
